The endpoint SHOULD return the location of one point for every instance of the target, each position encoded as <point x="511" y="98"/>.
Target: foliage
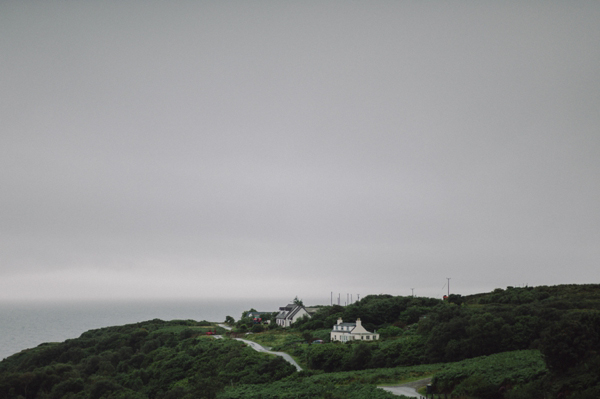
<point x="503" y="320"/>
<point x="571" y="349"/>
<point x="271" y="338"/>
<point x="572" y="341"/>
<point x="490" y="376"/>
<point x="245" y="312"/>
<point x="513" y="343"/>
<point x="257" y="328"/>
<point x="515" y="365"/>
<point x="375" y="311"/>
<point x="305" y="389"/>
<point x="392" y="375"/>
<point x="154" y="359"/>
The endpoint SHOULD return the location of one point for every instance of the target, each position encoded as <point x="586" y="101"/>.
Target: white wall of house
<point x="300" y="313"/>
<point x="286" y="318"/>
<point x="345" y="332"/>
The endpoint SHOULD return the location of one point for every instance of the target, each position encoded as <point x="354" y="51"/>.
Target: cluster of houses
<point x="343" y="332"/>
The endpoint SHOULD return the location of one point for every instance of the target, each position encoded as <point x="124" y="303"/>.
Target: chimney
<point x="358" y="322"/>
<point x="339" y="321"/>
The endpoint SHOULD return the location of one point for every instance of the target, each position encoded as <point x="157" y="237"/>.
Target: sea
<point x="26" y="325"/>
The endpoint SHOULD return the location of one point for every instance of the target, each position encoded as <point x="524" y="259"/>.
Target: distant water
<point x="26" y="325"/>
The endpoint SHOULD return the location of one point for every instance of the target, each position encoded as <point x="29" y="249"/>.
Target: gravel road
<point x="260" y="348"/>
<point x="409" y="389"/>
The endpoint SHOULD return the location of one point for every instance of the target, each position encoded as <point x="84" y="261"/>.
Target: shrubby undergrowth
<point x="515" y="343"/>
<point x="154" y="359"/>
<point x="563" y="322"/>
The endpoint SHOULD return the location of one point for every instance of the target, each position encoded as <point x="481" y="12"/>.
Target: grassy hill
<point x="513" y="343"/>
<point x="561" y="322"/>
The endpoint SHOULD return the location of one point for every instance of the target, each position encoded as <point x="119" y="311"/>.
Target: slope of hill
<point x="513" y="343"/>
<point x="563" y="322"/>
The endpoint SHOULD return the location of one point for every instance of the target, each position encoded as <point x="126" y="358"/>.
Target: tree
<point x="258" y="328"/>
<point x="245" y="312"/>
<point x="308" y="337"/>
<point x="298" y="302"/>
<point x="229" y="320"/>
<point x="572" y="341"/>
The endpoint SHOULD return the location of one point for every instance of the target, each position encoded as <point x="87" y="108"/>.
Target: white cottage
<point x="345" y="332"/>
<point x="289" y="314"/>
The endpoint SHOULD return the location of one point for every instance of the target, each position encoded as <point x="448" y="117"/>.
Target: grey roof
<point x="281" y="315"/>
<point x="289" y="311"/>
<point x="295" y="311"/>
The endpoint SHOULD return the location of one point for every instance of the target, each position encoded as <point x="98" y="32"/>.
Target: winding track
<point x="409" y="389"/>
<point x="260" y="348"/>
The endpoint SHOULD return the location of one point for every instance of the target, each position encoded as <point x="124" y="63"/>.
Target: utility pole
<point x="448" y="278"/>
<point x="331" y="298"/>
<point x="413" y="292"/>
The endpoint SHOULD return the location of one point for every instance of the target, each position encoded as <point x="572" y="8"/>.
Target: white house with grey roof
<point x="289" y="314"/>
<point x="346" y="332"/>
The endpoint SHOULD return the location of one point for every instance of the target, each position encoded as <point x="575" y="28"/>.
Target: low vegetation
<point x="513" y="343"/>
<point x="153" y="359"/>
<point x="560" y="323"/>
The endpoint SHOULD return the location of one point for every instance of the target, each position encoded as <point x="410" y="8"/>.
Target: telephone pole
<point x="448" y="278"/>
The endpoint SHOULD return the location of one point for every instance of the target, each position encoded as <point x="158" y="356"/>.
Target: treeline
<point x="375" y="312"/>
<point x="464" y="327"/>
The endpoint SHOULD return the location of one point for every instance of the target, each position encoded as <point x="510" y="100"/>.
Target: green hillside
<point x="513" y="343"/>
<point x="561" y="322"/>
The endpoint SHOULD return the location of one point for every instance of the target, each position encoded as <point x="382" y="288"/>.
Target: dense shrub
<point x="154" y="359"/>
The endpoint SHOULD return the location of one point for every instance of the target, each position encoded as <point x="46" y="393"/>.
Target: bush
<point x="257" y="328"/>
<point x="391" y="331"/>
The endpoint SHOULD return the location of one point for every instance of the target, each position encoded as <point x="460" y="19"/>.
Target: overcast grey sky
<point x="268" y="149"/>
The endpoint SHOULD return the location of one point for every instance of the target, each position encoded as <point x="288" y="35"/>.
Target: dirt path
<point x="409" y="389"/>
<point x="260" y="348"/>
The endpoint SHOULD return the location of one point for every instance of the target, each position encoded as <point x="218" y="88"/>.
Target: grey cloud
<point x="378" y="146"/>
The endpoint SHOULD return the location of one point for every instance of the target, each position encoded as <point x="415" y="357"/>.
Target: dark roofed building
<point x="289" y="314"/>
